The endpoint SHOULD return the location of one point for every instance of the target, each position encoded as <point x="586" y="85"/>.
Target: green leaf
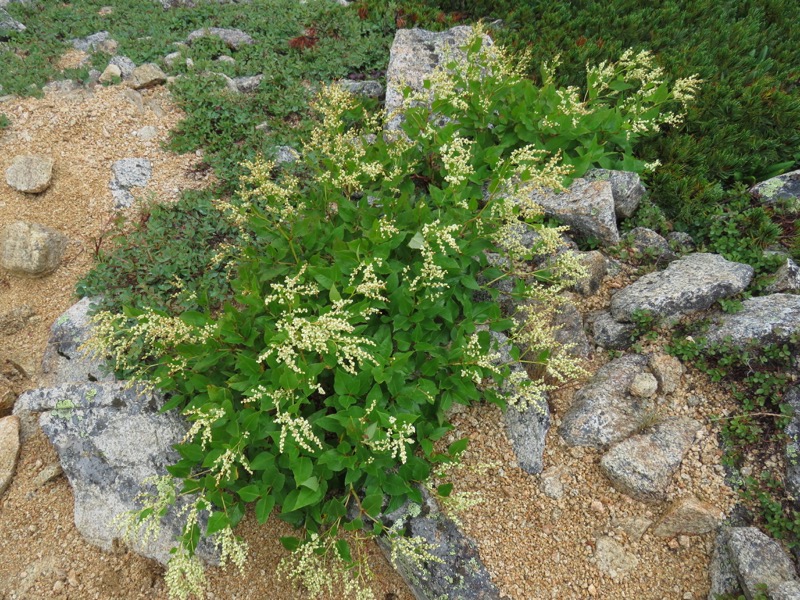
<point x="372" y="504"/>
<point x="249" y="492"/>
<point x="417" y="241"/>
<point x="263" y="508"/>
<point x="217" y="522"/>
<point x="444" y="490"/>
<point x="291" y="543"/>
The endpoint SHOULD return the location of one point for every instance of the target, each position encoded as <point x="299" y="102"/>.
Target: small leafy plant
<point x="365" y="306"/>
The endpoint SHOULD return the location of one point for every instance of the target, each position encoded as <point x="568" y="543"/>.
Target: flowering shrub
<point x="366" y="291"/>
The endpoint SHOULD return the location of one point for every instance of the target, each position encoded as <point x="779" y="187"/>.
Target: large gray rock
<point x="30" y="173"/>
<point x="30" y="249"/>
<point x="721" y="570"/>
<point x="9" y="450"/>
<point x="460" y="576"/>
<point x="570" y="332"/>
<point x="788" y="590"/>
<point x="125" y="65"/>
<point x="526" y="429"/>
<point x="109" y="439"/>
<point x="646" y="243"/>
<point x="248" y="84"/>
<point x="233" y="38"/>
<point x="64" y="361"/>
<point x="626" y="187"/>
<point x="146" y="76"/>
<point x="586" y="206"/>
<point x="763" y="319"/>
<point x="787" y="278"/>
<point x="596" y="268"/>
<point x="414" y="55"/>
<point x="781" y="189"/>
<point x="688" y="285"/>
<point x="758" y="560"/>
<point x="603" y="411"/>
<point x="792" y="398"/>
<point x="642" y="466"/>
<point x="9" y="25"/>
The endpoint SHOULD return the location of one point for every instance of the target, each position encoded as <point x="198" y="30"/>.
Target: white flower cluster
<point x="231" y="549"/>
<point x="304" y="333"/>
<point x="316" y="567"/>
<point x="185" y="576"/>
<point x="299" y="429"/>
<point x="431" y="278"/>
<point x="476" y="361"/>
<point x="397" y="437"/>
<point x="456" y="157"/>
<point x="414" y="551"/>
<point x="370" y="286"/>
<point x="387" y="227"/>
<point x="203" y="420"/>
<point x="260" y="189"/>
<point x="133" y="525"/>
<point x="224" y="463"/>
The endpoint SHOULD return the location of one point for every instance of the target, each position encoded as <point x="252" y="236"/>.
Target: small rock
<point x="15" y="320"/>
<point x="602" y="412"/>
<point x="642" y="466"/>
<point x="668" y="371"/>
<point x="132" y="172"/>
<point x="30" y="249"/>
<point x="90" y="42"/>
<point x="124" y="64"/>
<point x="48" y="474"/>
<point x="612" y="558"/>
<point x="366" y="89"/>
<point x="108" y="46"/>
<point x="248" y="85"/>
<point x="8" y="395"/>
<point x="634" y="527"/>
<point x="781" y="189"/>
<point x="586" y="206"/>
<point x="9" y="450"/>
<point x="233" y="38"/>
<point x="688" y="516"/>
<point x="226" y="59"/>
<point x="286" y="155"/>
<point x="146" y="133"/>
<point x="110" y="73"/>
<point x="171" y="59"/>
<point x="596" y="268"/>
<point x="626" y="187"/>
<point x="30" y="173"/>
<point x="146" y="76"/>
<point x="681" y="242"/>
<point x="649" y="244"/>
<point x="787" y="278"/>
<point x="551" y="485"/>
<point x="644" y="385"/>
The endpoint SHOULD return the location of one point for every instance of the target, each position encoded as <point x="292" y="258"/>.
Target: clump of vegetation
<point x="745" y="124"/>
<point x="322" y="387"/>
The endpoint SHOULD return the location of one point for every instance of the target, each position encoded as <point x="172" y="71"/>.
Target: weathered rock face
<point x="690" y="284"/>
<point x="247" y="84"/>
<point x="90" y="42"/>
<point x="626" y="187"/>
<point x="643" y="465"/>
<point x="667" y="370"/>
<point x="414" y="55"/>
<point x="366" y="89"/>
<point x="603" y="412"/>
<point x="13" y="379"/>
<point x="146" y="76"/>
<point x="612" y="558"/>
<point x="30" y="249"/>
<point x="8" y="25"/>
<point x="63" y="361"/>
<point x="587" y="207"/>
<point x="30" y="174"/>
<point x="460" y="575"/>
<point x="9" y="450"/>
<point x="233" y="38"/>
<point x="763" y="319"/>
<point x="15" y="320"/>
<point x="787" y="278"/>
<point x="526" y="430"/>
<point x="688" y="516"/>
<point x="758" y="560"/>
<point x="792" y="398"/>
<point x="570" y="330"/>
<point x="109" y="73"/>
<point x="609" y="333"/>
<point x="788" y="590"/>
<point x="124" y="64"/>
<point x="783" y="188"/>
<point x="109" y="439"/>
